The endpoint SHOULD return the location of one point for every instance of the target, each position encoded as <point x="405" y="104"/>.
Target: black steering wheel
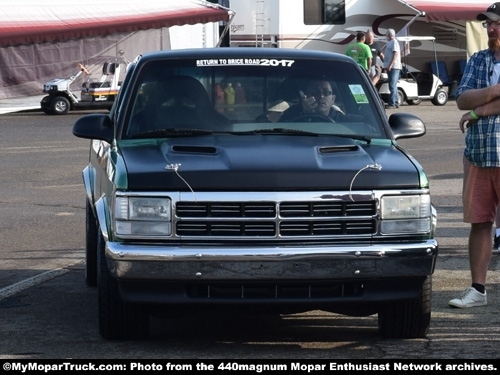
<point x="313" y="117"/>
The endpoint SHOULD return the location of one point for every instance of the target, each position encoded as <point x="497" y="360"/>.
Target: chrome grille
<point x="288" y="219"/>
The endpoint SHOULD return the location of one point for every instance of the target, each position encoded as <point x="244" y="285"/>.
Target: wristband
<point x="473" y="114"/>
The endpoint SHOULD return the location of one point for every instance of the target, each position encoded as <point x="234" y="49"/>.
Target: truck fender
<point x="102" y="210"/>
<point x="88" y="175"/>
<point x="99" y="208"/>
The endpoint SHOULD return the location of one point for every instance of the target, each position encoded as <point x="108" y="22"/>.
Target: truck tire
<point x="407" y="319"/>
<point x="59" y="105"/>
<point x="118" y="320"/>
<point x="90" y="246"/>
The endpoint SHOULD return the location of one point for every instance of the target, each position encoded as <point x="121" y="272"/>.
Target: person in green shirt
<point x="360" y="52"/>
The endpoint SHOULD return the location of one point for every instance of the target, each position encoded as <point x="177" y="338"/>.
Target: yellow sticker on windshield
<point x="358" y="93"/>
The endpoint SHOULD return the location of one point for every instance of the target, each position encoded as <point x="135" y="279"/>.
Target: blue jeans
<point x="393" y="76"/>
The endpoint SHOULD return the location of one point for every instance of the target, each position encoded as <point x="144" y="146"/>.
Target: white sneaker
<point x="470" y="298"/>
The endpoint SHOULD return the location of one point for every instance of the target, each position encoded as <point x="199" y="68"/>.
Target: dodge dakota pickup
<point x="256" y="179"/>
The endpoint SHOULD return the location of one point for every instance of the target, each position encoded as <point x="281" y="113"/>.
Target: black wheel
<point x="313" y="117"/>
<point x="47" y="111"/>
<point x="440" y="98"/>
<point x="90" y="247"/>
<point x="59" y="105"/>
<point x="401" y="97"/>
<point x="408" y="319"/>
<point x="118" y="320"/>
<point x="414" y="101"/>
<point x="45" y="105"/>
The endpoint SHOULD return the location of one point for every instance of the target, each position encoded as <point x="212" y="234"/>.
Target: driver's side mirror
<point x="94" y="126"/>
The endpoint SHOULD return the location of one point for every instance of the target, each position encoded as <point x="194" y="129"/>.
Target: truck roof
<point x="242" y="52"/>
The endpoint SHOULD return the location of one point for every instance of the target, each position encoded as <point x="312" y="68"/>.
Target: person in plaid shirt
<point x="479" y="93"/>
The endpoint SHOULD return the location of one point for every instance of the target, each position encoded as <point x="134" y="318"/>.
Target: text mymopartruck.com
<point x="246" y="366"/>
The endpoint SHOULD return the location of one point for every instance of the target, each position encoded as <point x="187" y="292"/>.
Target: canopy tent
<point x="464" y="11"/>
<point x="43" y="40"/>
<point x="28" y="21"/>
<point x="450" y="10"/>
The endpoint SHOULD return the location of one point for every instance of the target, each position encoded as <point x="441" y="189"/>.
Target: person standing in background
<point x="374" y="47"/>
<point x="392" y="64"/>
<point x="360" y="52"/>
<point x="479" y="94"/>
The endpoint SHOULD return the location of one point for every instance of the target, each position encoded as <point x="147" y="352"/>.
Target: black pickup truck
<point x="256" y="179"/>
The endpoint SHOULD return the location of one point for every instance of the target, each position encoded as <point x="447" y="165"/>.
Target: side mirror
<point x="94" y="126"/>
<point x="406" y="125"/>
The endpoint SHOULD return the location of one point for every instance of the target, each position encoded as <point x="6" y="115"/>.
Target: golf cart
<point x="415" y="86"/>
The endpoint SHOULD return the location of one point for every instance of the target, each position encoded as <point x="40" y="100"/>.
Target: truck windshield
<point x="313" y="96"/>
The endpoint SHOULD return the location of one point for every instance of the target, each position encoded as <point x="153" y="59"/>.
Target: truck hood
<point x="277" y="162"/>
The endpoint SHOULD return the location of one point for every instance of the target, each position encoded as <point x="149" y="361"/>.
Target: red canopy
<point x="24" y="21"/>
<point x="446" y="10"/>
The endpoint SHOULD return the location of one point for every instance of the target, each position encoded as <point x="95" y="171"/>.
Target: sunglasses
<point x="317" y="93"/>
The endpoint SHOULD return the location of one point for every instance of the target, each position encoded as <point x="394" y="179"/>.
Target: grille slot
<point x="325" y="228"/>
<point x="326" y="209"/>
<point x="226" y="228"/>
<point x="225" y="209"/>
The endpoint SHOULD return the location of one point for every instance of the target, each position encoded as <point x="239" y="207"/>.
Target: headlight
<point x="143" y="216"/>
<point x="405" y="214"/>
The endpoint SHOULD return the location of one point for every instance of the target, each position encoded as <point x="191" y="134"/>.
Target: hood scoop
<point x="338" y="148"/>
<point x="193" y="149"/>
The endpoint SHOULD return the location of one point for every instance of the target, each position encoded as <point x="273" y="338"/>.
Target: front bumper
<point x="328" y="278"/>
<point x="148" y="262"/>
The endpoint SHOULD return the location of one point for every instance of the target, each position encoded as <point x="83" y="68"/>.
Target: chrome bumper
<point x="162" y="263"/>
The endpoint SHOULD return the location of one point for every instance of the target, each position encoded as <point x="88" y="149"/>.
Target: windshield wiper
<point x="282" y="131"/>
<point x="354" y="136"/>
<point x="172" y="132"/>
<point x="279" y="131"/>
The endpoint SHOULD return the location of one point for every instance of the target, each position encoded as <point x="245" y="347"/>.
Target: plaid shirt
<point x="482" y="140"/>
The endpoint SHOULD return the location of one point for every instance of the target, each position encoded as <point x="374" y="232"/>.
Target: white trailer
<point x="303" y="24"/>
<point x="308" y="24"/>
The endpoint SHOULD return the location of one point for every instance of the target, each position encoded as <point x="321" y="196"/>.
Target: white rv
<point x="332" y="24"/>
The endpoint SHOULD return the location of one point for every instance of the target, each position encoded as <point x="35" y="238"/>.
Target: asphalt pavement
<point x="454" y="333"/>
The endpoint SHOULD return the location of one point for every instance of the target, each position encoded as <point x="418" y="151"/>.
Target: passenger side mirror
<point x="406" y="125"/>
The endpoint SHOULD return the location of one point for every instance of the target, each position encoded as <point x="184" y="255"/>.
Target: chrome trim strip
<point x="120" y="251"/>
